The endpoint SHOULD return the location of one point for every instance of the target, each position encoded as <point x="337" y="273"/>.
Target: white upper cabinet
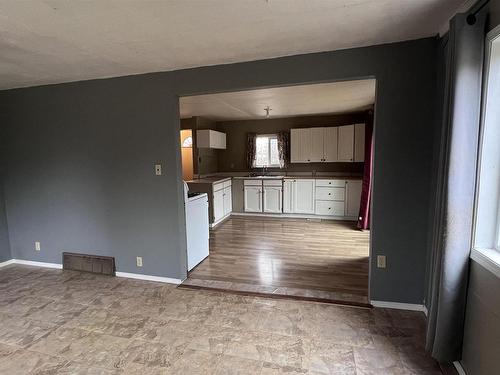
<point x="330" y="146"/>
<point x="300" y="145"/>
<point x="346" y="143"/>
<point x="316" y="154"/>
<point x="207" y="138"/>
<point x="359" y="142"/>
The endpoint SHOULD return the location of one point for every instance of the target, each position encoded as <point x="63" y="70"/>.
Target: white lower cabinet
<point x="298" y="196"/>
<point x="330" y="208"/>
<point x="273" y="197"/>
<point x="288" y="196"/>
<point x="333" y="198"/>
<point x="218" y="205"/>
<point x="303" y="196"/>
<point x="353" y="197"/>
<point x="223" y="201"/>
<point x="330" y="198"/>
<point x="263" y="196"/>
<point x="228" y="201"/>
<point x="253" y="197"/>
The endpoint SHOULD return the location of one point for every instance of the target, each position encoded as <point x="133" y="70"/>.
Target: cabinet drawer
<point x="273" y="182"/>
<point x="252" y="182"/>
<point x="330" y="193"/>
<point x="332" y="208"/>
<point x="331" y="183"/>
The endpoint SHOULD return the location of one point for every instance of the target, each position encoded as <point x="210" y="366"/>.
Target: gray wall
<point x="80" y="158"/>
<point x="4" y="232"/>
<point x="80" y="173"/>
<point x="482" y="323"/>
<point x="233" y="158"/>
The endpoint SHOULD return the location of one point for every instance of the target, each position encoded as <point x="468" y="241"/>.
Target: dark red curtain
<point x="364" y="208"/>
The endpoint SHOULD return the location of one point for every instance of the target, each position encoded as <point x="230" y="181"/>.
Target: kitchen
<point x="295" y="163"/>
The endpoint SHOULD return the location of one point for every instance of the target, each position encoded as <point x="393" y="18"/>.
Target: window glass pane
<point x="188" y="142"/>
<point x="262" y="152"/>
<point x="487" y="228"/>
<point x="274" y="156"/>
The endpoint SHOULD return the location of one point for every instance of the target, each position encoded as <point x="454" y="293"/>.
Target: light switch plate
<point x="158" y="169"/>
<point x="37" y="246"/>
<point x="139" y="261"/>
<point x="381" y="261"/>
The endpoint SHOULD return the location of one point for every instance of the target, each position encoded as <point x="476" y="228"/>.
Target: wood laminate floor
<point x="323" y="260"/>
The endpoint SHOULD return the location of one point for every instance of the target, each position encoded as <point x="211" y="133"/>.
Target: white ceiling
<point x="52" y="41"/>
<point x="324" y="98"/>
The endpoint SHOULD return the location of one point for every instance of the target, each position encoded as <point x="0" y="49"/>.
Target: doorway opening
<point x="287" y="172"/>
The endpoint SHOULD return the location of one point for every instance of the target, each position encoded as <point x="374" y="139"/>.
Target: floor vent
<point x="89" y="263"/>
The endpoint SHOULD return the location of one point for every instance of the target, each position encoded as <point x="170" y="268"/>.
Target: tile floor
<point x="63" y="322"/>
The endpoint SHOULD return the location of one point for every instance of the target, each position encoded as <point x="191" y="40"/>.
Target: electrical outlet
<point x="139" y="261"/>
<point x="158" y="169"/>
<point x="37" y="246"/>
<point x="381" y="261"/>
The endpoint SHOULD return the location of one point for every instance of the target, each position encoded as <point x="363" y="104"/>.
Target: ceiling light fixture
<point x="268" y="110"/>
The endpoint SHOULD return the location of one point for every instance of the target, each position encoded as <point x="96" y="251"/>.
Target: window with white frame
<point x="487" y="220"/>
<point x="266" y="151"/>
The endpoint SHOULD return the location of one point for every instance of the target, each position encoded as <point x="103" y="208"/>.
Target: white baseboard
<point x="215" y="223"/>
<point x="37" y="264"/>
<point x="426" y="312"/>
<point x="159" y="279"/>
<point x="6" y="263"/>
<point x="459" y="368"/>
<point x="295" y="216"/>
<point x="118" y="274"/>
<point x="399" y="306"/>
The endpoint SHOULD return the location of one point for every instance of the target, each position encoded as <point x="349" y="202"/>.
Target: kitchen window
<point x="266" y="151"/>
<point x="486" y="245"/>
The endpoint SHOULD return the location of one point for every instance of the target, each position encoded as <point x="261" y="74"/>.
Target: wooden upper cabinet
<point x="346" y="143"/>
<point x="330" y="146"/>
<point x="317" y="143"/>
<point x="359" y="142"/>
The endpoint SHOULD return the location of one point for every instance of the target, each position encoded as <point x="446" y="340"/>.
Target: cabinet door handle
<point x="329" y="193"/>
<point x="329" y="208"/>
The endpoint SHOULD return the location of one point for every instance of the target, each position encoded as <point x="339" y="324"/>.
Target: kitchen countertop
<point x="217" y="179"/>
<point x="209" y="180"/>
<point x="289" y="177"/>
<point x="271" y="177"/>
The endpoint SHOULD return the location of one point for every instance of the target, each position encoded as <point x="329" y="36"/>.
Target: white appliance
<point x="197" y="226"/>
